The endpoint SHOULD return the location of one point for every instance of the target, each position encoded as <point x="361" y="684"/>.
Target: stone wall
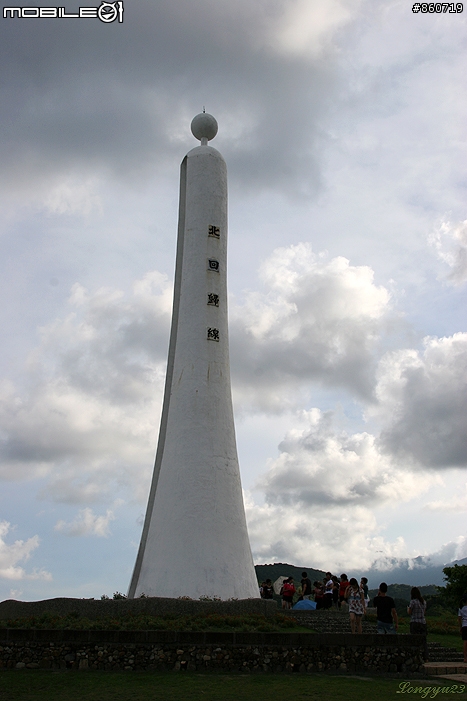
<point x="153" y="606"/>
<point x="198" y="651"/>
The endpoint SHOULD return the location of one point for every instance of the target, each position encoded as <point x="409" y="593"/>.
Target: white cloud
<point x="449" y="552"/>
<point x="306" y="27"/>
<point x="86" y="524"/>
<point x="17" y="552"/>
<point x="450" y="243"/>
<point x="317" y="319"/>
<point x="95" y="386"/>
<point x="423" y="402"/>
<point x="321" y="494"/>
<point x="457" y="504"/>
<point x="87" y="422"/>
<point x="318" y="467"/>
<point x="334" y="537"/>
<point x="74" y="195"/>
<point x="15" y="593"/>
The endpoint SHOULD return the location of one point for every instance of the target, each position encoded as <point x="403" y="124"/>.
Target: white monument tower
<point x="195" y="541"/>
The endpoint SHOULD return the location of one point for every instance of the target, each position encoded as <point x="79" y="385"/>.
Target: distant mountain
<point x="417" y="572"/>
<point x="402" y="591"/>
<point x="282" y="569"/>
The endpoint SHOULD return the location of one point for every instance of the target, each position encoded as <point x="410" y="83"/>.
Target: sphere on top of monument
<point x="204" y="126"/>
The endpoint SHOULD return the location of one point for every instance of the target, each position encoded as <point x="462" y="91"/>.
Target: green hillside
<point x="402" y="591"/>
<point x="279" y="569"/>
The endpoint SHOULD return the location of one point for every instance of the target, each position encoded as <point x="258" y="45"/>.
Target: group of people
<point x="326" y="593"/>
<point x="333" y="592"/>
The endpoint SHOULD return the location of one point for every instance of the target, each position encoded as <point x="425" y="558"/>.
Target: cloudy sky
<point x="343" y="126"/>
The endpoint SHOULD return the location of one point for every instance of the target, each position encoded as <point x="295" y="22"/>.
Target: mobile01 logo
<point x="106" y="12"/>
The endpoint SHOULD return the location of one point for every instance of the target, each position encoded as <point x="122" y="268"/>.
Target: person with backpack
<point x="288" y="590"/>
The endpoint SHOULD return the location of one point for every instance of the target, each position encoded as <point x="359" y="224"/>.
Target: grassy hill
<point x="402" y="591"/>
<point x="279" y="569"/>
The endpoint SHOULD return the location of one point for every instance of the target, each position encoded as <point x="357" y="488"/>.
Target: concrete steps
<point x="330" y="621"/>
<point x="453" y="671"/>
<point x="439" y="653"/>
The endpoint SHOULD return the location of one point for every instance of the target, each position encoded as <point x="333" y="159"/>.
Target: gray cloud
<point x="85" y="95"/>
<point x="450" y="243"/>
<point x="317" y="320"/>
<point x="423" y="402"/>
<point x="318" y="466"/>
<point x="95" y="387"/>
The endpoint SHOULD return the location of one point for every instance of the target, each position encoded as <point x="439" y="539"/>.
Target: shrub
<point x="456" y="587"/>
<point x="247" y="622"/>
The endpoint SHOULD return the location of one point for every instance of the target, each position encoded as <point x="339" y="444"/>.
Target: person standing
<point x="342" y="588"/>
<point x="328" y="587"/>
<point x="462" y="617"/>
<point x="354" y="597"/>
<point x="306" y="586"/>
<point x="335" y="591"/>
<point x="267" y="590"/>
<point x="364" y="588"/>
<point x="386" y="614"/>
<point x="416" y="610"/>
<point x="288" y="590"/>
<point x="319" y="595"/>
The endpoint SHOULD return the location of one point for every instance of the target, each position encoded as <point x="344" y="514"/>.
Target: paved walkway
<point x="454" y="671"/>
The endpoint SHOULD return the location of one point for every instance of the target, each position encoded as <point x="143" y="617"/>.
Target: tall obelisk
<point x="195" y="541"/>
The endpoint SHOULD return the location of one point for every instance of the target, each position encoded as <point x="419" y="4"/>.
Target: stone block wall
<point x="226" y="652"/>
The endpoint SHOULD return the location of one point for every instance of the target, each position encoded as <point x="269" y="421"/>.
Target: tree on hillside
<point x="456" y="587"/>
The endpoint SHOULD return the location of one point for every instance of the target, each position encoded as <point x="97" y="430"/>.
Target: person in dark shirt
<point x="386" y="613"/>
<point x="319" y="594"/>
<point x="267" y="590"/>
<point x="306" y="586"/>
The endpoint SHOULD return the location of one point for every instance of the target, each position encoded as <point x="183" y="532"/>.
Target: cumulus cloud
<point x="423" y="402"/>
<point x="89" y="414"/>
<point x="86" y="524"/>
<point x="331" y="537"/>
<point x="319" y="467"/>
<point x="17" y="552"/>
<point x="457" y="504"/>
<point x="341" y="537"/>
<point x="317" y="319"/>
<point x="448" y="552"/>
<point x="95" y="385"/>
<point x="320" y="495"/>
<point x="450" y="243"/>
